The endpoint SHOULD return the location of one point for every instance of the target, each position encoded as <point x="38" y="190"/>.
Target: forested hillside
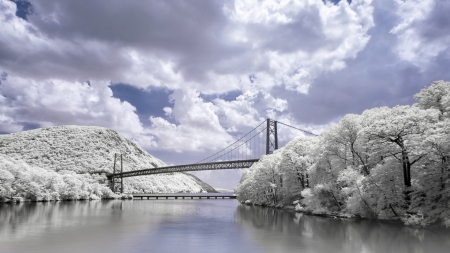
<point x="387" y="163"/>
<point x="70" y="162"/>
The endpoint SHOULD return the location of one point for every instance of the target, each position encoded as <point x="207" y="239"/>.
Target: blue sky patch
<point x="24" y="8"/>
<point x="147" y="102"/>
<point x="229" y="96"/>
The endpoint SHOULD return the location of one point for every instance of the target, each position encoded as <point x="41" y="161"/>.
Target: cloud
<point x="203" y="44"/>
<point x="422" y="30"/>
<point x="29" y="50"/>
<point x="167" y="111"/>
<point x="248" y="110"/>
<point x="197" y="129"/>
<point x="58" y="102"/>
<point x="311" y="38"/>
<point x="230" y="46"/>
<point x="378" y="76"/>
<point x="200" y="126"/>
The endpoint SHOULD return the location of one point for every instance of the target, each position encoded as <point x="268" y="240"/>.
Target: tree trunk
<point x="406" y="164"/>
<point x="365" y="168"/>
<point x="406" y="168"/>
<point x="444" y="161"/>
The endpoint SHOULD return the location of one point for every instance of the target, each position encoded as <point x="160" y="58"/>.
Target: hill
<point x="82" y="153"/>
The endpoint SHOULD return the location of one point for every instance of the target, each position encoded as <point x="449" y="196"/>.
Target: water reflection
<point x="79" y="226"/>
<point x="282" y="231"/>
<point x="197" y="226"/>
<point x="22" y="220"/>
<point x="120" y="226"/>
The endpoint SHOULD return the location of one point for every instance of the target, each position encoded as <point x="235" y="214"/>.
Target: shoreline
<point x="348" y="216"/>
<point x="123" y="196"/>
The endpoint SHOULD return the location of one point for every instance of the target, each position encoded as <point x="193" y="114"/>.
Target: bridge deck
<point x="184" y="196"/>
<point x="225" y="165"/>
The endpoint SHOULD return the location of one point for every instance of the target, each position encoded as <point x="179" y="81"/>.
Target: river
<point x="187" y="226"/>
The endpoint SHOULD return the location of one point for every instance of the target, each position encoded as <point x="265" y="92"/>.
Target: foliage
<point x="70" y="162"/>
<point x="20" y="179"/>
<point x="387" y="163"/>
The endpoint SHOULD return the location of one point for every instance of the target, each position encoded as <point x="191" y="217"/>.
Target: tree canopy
<point x="387" y="163"/>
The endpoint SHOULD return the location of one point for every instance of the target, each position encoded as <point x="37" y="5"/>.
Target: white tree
<point x="436" y="96"/>
<point x="398" y="132"/>
<point x="296" y="158"/>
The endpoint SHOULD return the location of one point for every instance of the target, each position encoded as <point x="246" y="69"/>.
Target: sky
<point x="184" y="79"/>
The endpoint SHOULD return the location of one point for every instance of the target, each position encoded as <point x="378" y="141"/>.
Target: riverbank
<point x="21" y="199"/>
<point x="295" y="208"/>
<point x="408" y="220"/>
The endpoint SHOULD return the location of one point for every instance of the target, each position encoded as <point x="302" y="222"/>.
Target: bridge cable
<point x="297" y="128"/>
<point x="239" y="145"/>
<point x="231" y="144"/>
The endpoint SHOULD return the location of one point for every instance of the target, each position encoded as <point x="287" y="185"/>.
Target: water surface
<point x="186" y="226"/>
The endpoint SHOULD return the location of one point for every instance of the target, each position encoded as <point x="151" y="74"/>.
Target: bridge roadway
<point x="225" y="165"/>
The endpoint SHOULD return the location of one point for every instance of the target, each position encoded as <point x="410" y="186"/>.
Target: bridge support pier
<point x="271" y="136"/>
<point x="117" y="181"/>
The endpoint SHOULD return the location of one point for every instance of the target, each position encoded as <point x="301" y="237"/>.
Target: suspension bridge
<point x="243" y="153"/>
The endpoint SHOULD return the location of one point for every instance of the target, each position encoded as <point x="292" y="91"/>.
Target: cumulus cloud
<point x="198" y="125"/>
<point x="311" y="37"/>
<point x="248" y="110"/>
<point x="203" y="45"/>
<point x="58" y="102"/>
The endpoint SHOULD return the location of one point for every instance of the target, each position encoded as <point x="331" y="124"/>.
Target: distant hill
<point x="90" y="150"/>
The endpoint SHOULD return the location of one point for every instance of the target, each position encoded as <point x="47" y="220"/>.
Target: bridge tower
<point x="271" y="136"/>
<point x="117" y="182"/>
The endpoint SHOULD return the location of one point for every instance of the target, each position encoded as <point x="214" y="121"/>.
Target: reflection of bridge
<point x="263" y="139"/>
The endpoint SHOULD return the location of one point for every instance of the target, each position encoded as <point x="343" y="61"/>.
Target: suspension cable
<point x="257" y="146"/>
<point x="297" y="128"/>
<point x="231" y="143"/>
<point x="239" y="145"/>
